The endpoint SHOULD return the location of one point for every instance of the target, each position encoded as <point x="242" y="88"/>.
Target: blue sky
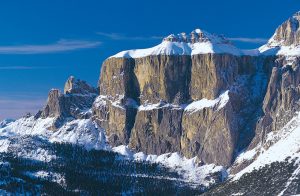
<point x="42" y="42"/>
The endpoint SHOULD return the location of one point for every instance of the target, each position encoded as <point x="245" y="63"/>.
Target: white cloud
<point x="21" y="67"/>
<point x="249" y="40"/>
<point x="118" y="36"/>
<point x="57" y="47"/>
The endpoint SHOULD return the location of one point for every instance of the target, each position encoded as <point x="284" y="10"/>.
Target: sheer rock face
<point x="281" y="100"/>
<point x="117" y="79"/>
<point x="163" y="78"/>
<point x="128" y="86"/>
<point x="116" y="117"/>
<point x="289" y="32"/>
<point x="76" y="86"/>
<point x="210" y="134"/>
<point x="211" y="74"/>
<point x="282" y="97"/>
<point x="54" y="105"/>
<point x="115" y="108"/>
<point x="157" y="131"/>
<point x="75" y="102"/>
<point x="263" y="96"/>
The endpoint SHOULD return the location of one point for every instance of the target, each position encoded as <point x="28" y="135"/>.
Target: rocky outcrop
<point x="116" y="117"/>
<point x="195" y="94"/>
<point x="158" y="130"/>
<point x="144" y="95"/>
<point x="288" y="33"/>
<point x="115" y="108"/>
<point x="54" y="106"/>
<point x="117" y="79"/>
<point x="282" y="98"/>
<point x="211" y="134"/>
<point x="211" y="74"/>
<point x="142" y="103"/>
<point x="75" y="102"/>
<point x="76" y="86"/>
<point x="163" y="78"/>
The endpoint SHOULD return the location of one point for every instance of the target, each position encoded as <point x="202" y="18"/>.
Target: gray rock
<point x="288" y="33"/>
<point x="75" y="102"/>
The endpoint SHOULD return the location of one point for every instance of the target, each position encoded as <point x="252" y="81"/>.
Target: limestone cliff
<point x="143" y="100"/>
<point x="75" y="102"/>
<point x="146" y="95"/>
<point x="281" y="100"/>
<point x="288" y="33"/>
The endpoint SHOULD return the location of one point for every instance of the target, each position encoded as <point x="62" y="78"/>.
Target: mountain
<point x="197" y="42"/>
<point x="220" y="120"/>
<point x="286" y="38"/>
<point x="5" y="122"/>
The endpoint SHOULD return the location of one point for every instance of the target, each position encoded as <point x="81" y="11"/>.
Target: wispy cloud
<point x="57" y="47"/>
<point x="118" y="36"/>
<point x="249" y="40"/>
<point x="22" y="67"/>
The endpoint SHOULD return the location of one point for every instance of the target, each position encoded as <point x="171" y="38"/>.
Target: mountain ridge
<point x="193" y="99"/>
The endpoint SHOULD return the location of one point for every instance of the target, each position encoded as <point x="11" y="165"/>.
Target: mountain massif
<point x="223" y="118"/>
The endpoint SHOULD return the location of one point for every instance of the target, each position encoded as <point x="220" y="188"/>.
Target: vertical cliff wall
<point x="199" y="95"/>
<point x="144" y="103"/>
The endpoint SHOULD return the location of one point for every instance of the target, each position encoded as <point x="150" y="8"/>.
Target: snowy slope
<point x="81" y="131"/>
<point x="280" y="50"/>
<point x="182" y="44"/>
<point x="5" y="122"/>
<point x="202" y="42"/>
<point x="221" y="101"/>
<point x="86" y="133"/>
<point x="277" y="45"/>
<point x="191" y="169"/>
<point x="273" y="167"/>
<point x="284" y="143"/>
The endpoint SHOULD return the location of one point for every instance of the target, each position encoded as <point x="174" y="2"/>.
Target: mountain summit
<point x="288" y="33"/>
<point x="197" y="42"/>
<point x="197" y="36"/>
<point x="225" y="121"/>
<point x="286" y="39"/>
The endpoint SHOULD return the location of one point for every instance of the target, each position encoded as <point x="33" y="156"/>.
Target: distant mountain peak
<point x="74" y="85"/>
<point x="196" y="42"/>
<point x="197" y="36"/>
<point x="288" y="33"/>
<point x="297" y="15"/>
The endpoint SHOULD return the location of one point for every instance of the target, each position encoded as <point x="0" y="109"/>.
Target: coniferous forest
<point x="77" y="171"/>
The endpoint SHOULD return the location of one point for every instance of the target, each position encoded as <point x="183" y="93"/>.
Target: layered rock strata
<point x="160" y="88"/>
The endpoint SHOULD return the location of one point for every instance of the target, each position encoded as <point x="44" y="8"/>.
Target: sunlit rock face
<point x="75" y="102"/>
<point x="145" y="99"/>
<point x="195" y="93"/>
<point x="288" y="33"/>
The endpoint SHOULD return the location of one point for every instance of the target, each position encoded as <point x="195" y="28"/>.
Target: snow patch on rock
<point x="283" y="143"/>
<point x="191" y="170"/>
<point x="45" y="175"/>
<point x="180" y="48"/>
<point x="221" y="101"/>
<point x="197" y="42"/>
<point x="293" y="50"/>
